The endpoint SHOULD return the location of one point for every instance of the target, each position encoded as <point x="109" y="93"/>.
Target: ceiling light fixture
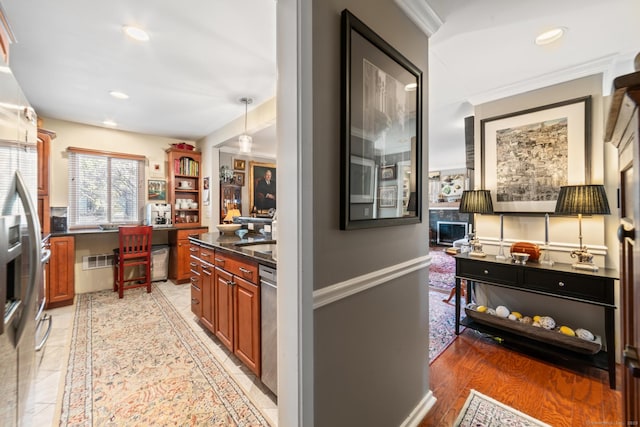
<point x="118" y="94"/>
<point x="136" y="33"/>
<point x="550" y="36"/>
<point x="110" y="123"/>
<point x="411" y="87"/>
<point x="245" y="139"/>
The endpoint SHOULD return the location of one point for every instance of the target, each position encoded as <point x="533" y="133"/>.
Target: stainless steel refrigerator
<point x="20" y="252"/>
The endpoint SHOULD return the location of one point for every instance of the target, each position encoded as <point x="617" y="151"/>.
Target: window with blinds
<point x="104" y="188"/>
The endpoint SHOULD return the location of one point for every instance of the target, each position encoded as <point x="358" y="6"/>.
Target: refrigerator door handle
<point x="35" y="262"/>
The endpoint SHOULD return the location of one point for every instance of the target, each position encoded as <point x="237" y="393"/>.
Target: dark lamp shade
<point x="582" y="199"/>
<point x="476" y="201"/>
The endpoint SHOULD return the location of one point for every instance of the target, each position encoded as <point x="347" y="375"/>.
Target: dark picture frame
<point x="257" y="171"/>
<point x="238" y="178"/>
<point x="555" y="139"/>
<point x="388" y="172"/>
<point x="381" y="124"/>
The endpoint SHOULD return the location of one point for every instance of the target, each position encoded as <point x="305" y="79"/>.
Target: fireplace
<point x="450" y="231"/>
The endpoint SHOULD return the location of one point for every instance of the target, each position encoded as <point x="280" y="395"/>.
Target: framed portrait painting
<point x="528" y="155"/>
<point x="381" y="116"/>
<point x="262" y="187"/>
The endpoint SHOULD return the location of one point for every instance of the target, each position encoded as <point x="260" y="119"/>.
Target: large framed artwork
<point x="527" y="155"/>
<point x="262" y="188"/>
<point x="381" y="131"/>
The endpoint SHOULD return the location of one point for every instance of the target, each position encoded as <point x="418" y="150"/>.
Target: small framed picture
<point x="388" y="172"/>
<point x="238" y="178"/>
<point x="239" y="165"/>
<point x="388" y="196"/>
<point x="157" y="190"/>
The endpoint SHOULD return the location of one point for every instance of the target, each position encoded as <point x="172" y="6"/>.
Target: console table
<point x="558" y="281"/>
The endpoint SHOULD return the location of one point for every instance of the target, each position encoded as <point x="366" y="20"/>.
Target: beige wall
<point x="71" y="134"/>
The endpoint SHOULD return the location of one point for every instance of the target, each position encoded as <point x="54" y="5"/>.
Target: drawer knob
<point x="486" y="272"/>
<point x="194" y="301"/>
<point x="561" y="284"/>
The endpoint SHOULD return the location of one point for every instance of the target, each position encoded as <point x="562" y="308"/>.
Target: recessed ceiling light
<point x="118" y="94"/>
<point x="550" y="36"/>
<point x="411" y="87"/>
<point x="110" y="123"/>
<point x="136" y="33"/>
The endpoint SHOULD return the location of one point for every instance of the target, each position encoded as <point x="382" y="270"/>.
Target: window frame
<point x="75" y="154"/>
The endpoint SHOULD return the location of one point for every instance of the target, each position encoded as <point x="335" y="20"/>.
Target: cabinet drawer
<point x="237" y="266"/>
<point x="194" y="250"/>
<point x="487" y="271"/>
<point x="587" y="288"/>
<point x="196" y="300"/>
<point x="206" y="254"/>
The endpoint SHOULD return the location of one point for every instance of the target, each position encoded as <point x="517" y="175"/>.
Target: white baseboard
<point x="419" y="412"/>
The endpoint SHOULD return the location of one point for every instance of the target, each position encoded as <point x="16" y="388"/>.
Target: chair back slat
<point x="135" y="241"/>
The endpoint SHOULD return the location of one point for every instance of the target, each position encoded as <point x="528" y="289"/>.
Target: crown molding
<point x="599" y="65"/>
<point x="422" y="15"/>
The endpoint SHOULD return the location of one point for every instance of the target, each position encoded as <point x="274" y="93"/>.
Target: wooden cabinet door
<point x="247" y="323"/>
<point x="208" y="300"/>
<point x="44" y="147"/>
<point x="61" y="275"/>
<point x="223" y="311"/>
<point x="623" y="131"/>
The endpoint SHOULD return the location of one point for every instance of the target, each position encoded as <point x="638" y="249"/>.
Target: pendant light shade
<point x="245" y="139"/>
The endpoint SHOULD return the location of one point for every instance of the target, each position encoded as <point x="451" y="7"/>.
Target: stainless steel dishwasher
<point x="269" y="318"/>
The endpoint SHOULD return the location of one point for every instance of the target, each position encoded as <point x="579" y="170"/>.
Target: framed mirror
<point x="381" y="131"/>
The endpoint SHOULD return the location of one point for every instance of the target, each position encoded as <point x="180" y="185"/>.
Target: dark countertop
<point x="229" y="243"/>
<point x="97" y="230"/>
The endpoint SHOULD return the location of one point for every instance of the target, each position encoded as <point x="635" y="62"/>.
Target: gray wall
<point x="370" y="349"/>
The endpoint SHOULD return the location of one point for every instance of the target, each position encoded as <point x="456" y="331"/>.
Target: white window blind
<point x="104" y="188"/>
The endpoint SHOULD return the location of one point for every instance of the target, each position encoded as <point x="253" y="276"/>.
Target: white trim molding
<point x="338" y="291"/>
<point x="422" y="15"/>
<point x="424" y="406"/>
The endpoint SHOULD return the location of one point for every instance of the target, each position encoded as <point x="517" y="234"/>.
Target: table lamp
<point x="230" y="214"/>
<point x="476" y="202"/>
<point x="582" y="200"/>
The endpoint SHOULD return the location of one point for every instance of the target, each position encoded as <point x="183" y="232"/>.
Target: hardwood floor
<point x="554" y="395"/>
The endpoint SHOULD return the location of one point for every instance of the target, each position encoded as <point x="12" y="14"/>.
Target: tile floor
<point x="52" y="361"/>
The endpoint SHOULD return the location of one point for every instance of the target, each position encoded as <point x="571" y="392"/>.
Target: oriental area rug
<point x="135" y="362"/>
<point x="442" y="317"/>
<point x="481" y="410"/>
<point x="442" y="270"/>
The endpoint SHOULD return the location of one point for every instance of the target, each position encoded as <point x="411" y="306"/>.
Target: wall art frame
<point x="381" y="101"/>
<point x="555" y="140"/>
<point x="157" y="190"/>
<point x="259" y="200"/>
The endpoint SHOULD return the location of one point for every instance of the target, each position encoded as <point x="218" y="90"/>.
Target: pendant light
<point x="245" y="140"/>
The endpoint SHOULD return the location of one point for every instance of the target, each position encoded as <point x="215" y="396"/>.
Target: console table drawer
<point x="487" y="271"/>
<point x="583" y="287"/>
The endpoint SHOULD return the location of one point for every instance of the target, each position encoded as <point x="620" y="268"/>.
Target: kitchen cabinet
<point x="60" y="273"/>
<point x="44" y="148"/>
<point x="185" y="186"/>
<point x="237" y="307"/>
<point x="230" y="198"/>
<point x="196" y="283"/>
<point x="179" y="258"/>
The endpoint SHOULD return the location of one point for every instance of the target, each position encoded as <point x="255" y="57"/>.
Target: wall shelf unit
<point x="185" y="186"/>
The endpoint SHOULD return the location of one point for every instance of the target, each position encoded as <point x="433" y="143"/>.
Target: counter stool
<point x="134" y="251"/>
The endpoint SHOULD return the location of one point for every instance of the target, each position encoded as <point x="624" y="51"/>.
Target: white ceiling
<point x="204" y="55"/>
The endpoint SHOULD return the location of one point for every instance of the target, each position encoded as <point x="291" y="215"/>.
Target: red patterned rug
<point x="442" y="270"/>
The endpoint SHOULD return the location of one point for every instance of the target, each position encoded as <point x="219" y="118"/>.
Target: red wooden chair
<point x="134" y="251"/>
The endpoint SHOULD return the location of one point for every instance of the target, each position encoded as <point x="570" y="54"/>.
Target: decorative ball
<point x="491" y="311"/>
<point x="536" y="324"/>
<point x="547" y="322"/>
<point x="512" y="317"/>
<point x="502" y="311"/>
<point x="481" y="309"/>
<point x="526" y="320"/>
<point x="516" y="314"/>
<point x="585" y="334"/>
